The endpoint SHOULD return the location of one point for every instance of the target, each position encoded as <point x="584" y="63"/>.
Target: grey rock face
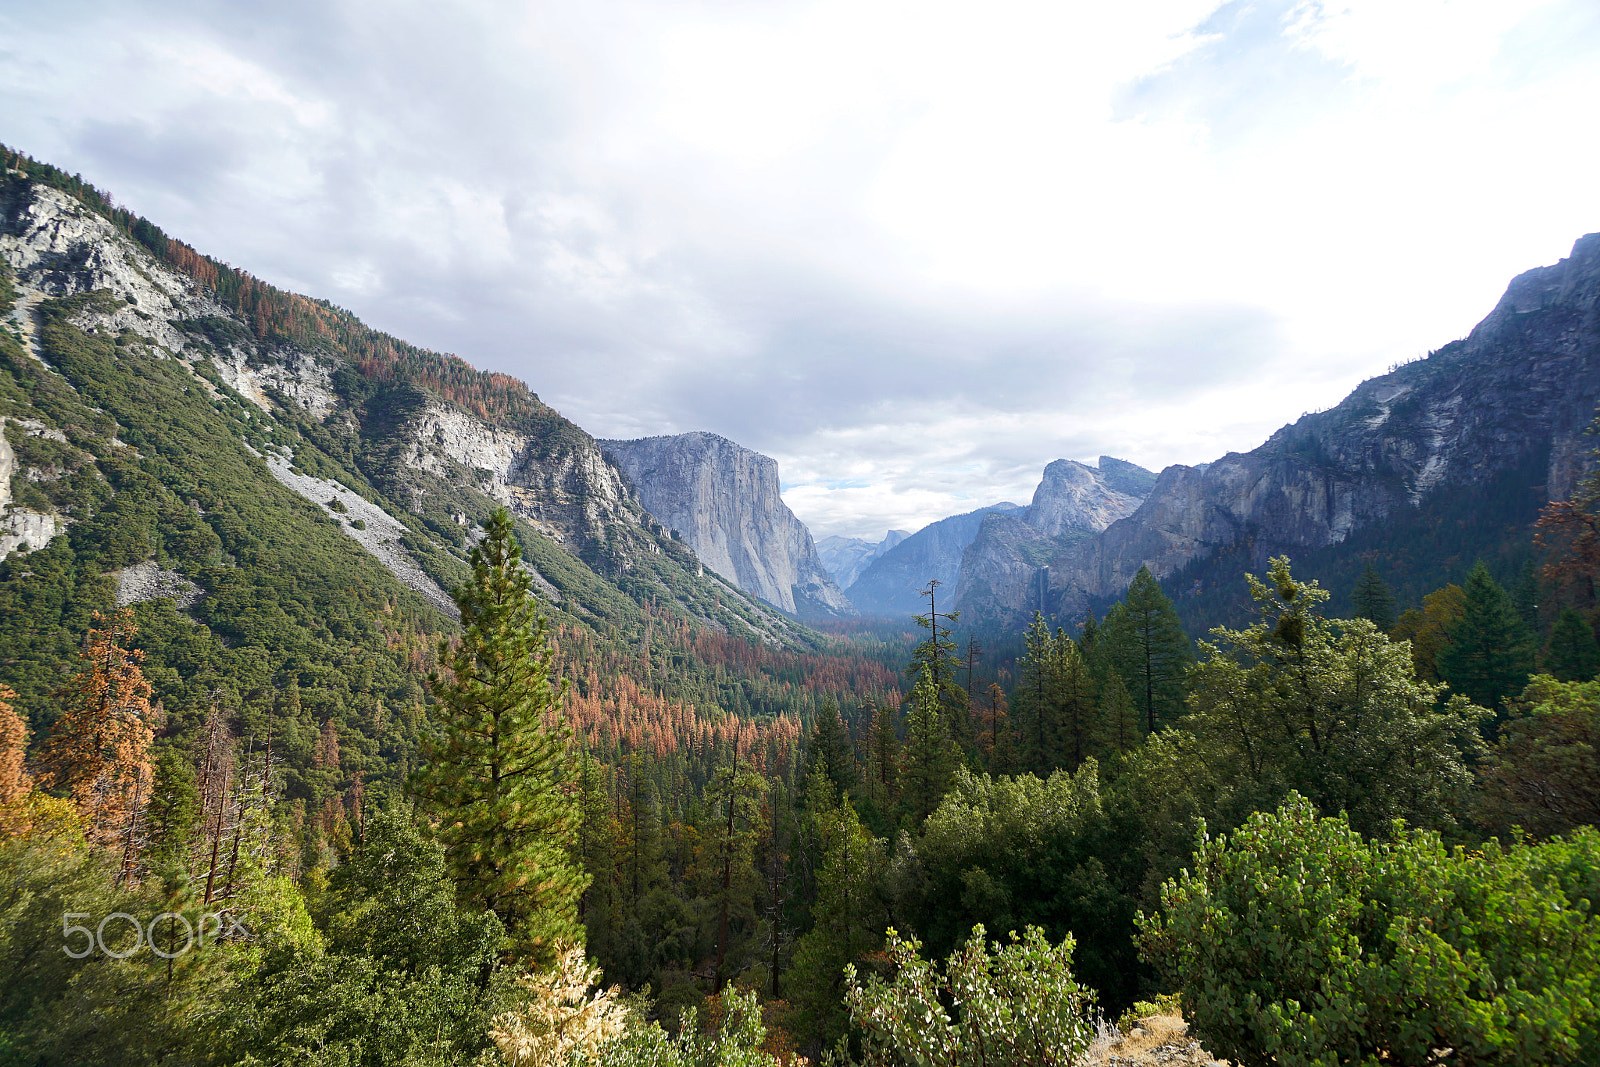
<point x="1004" y="571"/>
<point x="1523" y="384"/>
<point x="889" y="585"/>
<point x="847" y="557"/>
<point x="1073" y="498"/>
<point x="723" y="499"/>
<point x="415" y="448"/>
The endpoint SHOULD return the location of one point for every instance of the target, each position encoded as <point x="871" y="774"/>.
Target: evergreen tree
<point x="885" y="769"/>
<point x="937" y="655"/>
<point x="829" y="746"/>
<point x="1491" y="653"/>
<point x="1080" y="734"/>
<point x="1035" y="698"/>
<point x="1120" y="724"/>
<point x="1572" y="655"/>
<point x="1331" y="708"/>
<point x="737" y="792"/>
<point x="930" y="754"/>
<point x="850" y="919"/>
<point x="1372" y="599"/>
<point x="1146" y="644"/>
<point x="491" y="779"/>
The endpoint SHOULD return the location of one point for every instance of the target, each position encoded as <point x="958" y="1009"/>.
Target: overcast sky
<point x="912" y="250"/>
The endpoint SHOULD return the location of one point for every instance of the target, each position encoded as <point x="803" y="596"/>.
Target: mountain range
<point x="402" y="451"/>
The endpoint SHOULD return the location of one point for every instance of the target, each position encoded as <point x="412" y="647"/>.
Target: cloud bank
<point x="912" y="251"/>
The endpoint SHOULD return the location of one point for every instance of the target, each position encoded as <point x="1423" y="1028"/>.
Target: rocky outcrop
<point x="404" y="427"/>
<point x="723" y="499"/>
<point x="889" y="585"/>
<point x="1074" y="498"/>
<point x="1004" y="573"/>
<point x="1522" y="386"/>
<point x="20" y="527"/>
<point x="847" y="557"/>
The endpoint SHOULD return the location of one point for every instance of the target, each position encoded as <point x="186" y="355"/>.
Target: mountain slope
<point x="1515" y="395"/>
<point x="310" y="486"/>
<point x="1004" y="564"/>
<point x="724" y="500"/>
<point x="889" y="585"/>
<point x="847" y="557"/>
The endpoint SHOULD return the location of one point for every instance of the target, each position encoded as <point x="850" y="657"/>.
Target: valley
<point x="265" y="569"/>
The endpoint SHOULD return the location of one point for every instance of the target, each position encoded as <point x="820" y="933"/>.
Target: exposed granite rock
<point x="847" y="557"/>
<point x="379" y="532"/>
<point x="1004" y="571"/>
<point x="1074" y="498"/>
<point x="149" y="581"/>
<point x="1523" y="384"/>
<point x="724" y="500"/>
<point x="421" y="452"/>
<point x="889" y="585"/>
<point x="19" y="526"/>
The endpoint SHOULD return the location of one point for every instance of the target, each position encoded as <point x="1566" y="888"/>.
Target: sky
<point x="912" y="251"/>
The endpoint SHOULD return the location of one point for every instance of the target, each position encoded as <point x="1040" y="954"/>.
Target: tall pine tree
<point x="1572" y="655"/>
<point x="491" y="778"/>
<point x="1372" y="599"/>
<point x="1490" y="654"/>
<point x="1144" y="641"/>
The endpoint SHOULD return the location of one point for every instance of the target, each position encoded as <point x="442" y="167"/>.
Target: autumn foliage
<point x="99" y="750"/>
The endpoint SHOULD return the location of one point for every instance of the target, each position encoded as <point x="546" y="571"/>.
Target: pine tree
<point x="1120" y="724"/>
<point x="492" y="778"/>
<point x="1079" y="709"/>
<point x="1036" y="699"/>
<point x="1572" y="655"/>
<point x="1491" y="653"/>
<point x="737" y="792"/>
<point x="930" y="754"/>
<point x="829" y="745"/>
<point x="1145" y="642"/>
<point x="937" y="654"/>
<point x="1372" y="599"/>
<point x="99" y="750"/>
<point x="885" y="765"/>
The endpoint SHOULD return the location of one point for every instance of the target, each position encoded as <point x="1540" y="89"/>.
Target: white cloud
<point x="914" y="251"/>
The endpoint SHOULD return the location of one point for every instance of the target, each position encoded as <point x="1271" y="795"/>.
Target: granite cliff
<point x="723" y="499"/>
<point x="888" y="586"/>
<point x="1001" y="575"/>
<point x="1516" y="394"/>
<point x="403" y="450"/>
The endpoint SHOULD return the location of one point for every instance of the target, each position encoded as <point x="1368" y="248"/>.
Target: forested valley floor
<point x="1364" y="837"/>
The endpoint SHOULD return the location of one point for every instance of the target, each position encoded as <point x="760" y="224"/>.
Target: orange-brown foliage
<point x="99" y="750"/>
<point x="14" y="781"/>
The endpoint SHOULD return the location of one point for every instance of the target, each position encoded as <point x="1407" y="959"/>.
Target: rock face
<point x="723" y="499"/>
<point x="1004" y="573"/>
<point x="889" y="585"/>
<point x="404" y="447"/>
<point x="847" y="557"/>
<point x="1521" y="387"/>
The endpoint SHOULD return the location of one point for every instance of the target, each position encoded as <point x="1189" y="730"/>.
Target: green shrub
<point x="1019" y="1006"/>
<point x="1294" y="941"/>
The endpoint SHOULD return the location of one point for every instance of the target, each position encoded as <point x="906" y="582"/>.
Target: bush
<point x="1295" y="942"/>
<point x="1018" y="1006"/>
